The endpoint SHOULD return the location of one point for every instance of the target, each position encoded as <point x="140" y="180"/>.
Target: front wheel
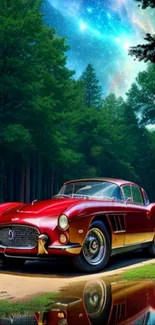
<point x="97" y="301"/>
<point x="96" y="249"/>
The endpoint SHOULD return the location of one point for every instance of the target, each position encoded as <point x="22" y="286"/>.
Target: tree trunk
<point x="22" y="184"/>
<point x="27" y="183"/>
<point x="2" y="178"/>
<point x="11" y="184"/>
<point x="52" y="183"/>
<point x="34" y="178"/>
<point x="39" y="178"/>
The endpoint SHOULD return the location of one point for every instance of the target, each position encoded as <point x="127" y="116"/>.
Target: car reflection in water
<point x="96" y="302"/>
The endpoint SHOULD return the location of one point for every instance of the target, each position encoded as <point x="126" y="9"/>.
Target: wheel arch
<point x="103" y="218"/>
<point x="82" y="263"/>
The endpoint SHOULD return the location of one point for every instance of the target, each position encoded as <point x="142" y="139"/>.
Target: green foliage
<point x="91" y="89"/>
<point x="47" y="132"/>
<point x="39" y="303"/>
<point x="17" y="137"/>
<point x="145" y="52"/>
<point x="140" y="273"/>
<point x="146" y="3"/>
<point x="142" y="95"/>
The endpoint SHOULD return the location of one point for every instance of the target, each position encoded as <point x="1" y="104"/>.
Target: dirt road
<point x="37" y="278"/>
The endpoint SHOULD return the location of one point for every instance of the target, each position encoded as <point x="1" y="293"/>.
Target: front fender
<point x="78" y="229"/>
<point x="4" y="207"/>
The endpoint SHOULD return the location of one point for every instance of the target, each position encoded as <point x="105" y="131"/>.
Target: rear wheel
<point x="96" y="249"/>
<point x="150" y="250"/>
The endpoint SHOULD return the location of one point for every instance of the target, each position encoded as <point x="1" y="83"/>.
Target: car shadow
<point x="63" y="268"/>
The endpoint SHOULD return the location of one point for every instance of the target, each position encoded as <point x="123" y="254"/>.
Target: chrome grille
<point x="19" y="320"/>
<point x="15" y="236"/>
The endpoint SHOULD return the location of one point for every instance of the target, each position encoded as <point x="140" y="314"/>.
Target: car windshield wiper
<point x="86" y="196"/>
<point x="62" y="195"/>
<point x="107" y="197"/>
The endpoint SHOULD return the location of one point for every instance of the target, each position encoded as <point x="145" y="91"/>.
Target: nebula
<point x="100" y="32"/>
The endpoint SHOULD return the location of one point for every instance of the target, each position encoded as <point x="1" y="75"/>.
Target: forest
<point x="54" y="128"/>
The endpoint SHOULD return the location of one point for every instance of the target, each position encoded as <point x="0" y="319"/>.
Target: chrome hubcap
<point x="94" y="247"/>
<point x="95" y="294"/>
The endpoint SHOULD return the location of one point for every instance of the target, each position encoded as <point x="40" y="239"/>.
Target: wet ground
<point x="83" y="299"/>
<point x="37" y="278"/>
<point x="97" y="302"/>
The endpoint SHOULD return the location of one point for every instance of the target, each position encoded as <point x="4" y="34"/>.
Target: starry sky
<point x="100" y="32"/>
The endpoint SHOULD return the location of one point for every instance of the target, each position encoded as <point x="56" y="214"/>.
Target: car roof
<point x="116" y="181"/>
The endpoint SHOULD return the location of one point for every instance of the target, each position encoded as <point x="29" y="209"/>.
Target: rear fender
<point x="151" y="215"/>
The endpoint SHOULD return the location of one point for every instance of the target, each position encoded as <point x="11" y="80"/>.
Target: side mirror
<point x="129" y="199"/>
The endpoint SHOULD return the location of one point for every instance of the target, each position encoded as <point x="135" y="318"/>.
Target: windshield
<point x="91" y="189"/>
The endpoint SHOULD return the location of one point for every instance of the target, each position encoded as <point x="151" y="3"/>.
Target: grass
<point x="39" y="303"/>
<point x="143" y="272"/>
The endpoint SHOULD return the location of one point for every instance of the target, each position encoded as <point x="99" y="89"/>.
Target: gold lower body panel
<point x="123" y="239"/>
<point x="75" y="250"/>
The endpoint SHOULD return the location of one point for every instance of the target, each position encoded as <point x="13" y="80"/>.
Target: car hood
<point x="39" y="212"/>
<point x="46" y="208"/>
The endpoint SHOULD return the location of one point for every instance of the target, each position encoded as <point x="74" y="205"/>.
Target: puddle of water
<point x="96" y="302"/>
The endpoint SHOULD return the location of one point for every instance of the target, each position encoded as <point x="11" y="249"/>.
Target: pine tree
<point x="145" y="52"/>
<point x="141" y="96"/>
<point x="91" y="88"/>
<point x="35" y="89"/>
<point x="146" y="3"/>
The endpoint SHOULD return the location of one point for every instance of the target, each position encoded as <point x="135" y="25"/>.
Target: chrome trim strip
<point x="128" y="248"/>
<point x="28" y="257"/>
<point x="26" y="212"/>
<point x="125" y="246"/>
<point x="27" y="248"/>
<point x="63" y="247"/>
<point x="56" y="309"/>
<point x="119" y="231"/>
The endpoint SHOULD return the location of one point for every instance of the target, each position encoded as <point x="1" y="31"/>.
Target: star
<point x="90" y="10"/>
<point x="83" y="26"/>
<point x="108" y="15"/>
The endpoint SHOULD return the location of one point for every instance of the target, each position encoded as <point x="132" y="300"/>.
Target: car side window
<point x="137" y="195"/>
<point x="127" y="192"/>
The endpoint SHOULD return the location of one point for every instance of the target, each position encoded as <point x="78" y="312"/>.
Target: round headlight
<point x="63" y="222"/>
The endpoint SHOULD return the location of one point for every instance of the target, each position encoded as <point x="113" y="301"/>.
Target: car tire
<point x="97" y="301"/>
<point x="150" y="250"/>
<point x="96" y="249"/>
<point x="13" y="262"/>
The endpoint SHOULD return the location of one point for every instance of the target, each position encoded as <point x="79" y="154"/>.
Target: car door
<point x="137" y="221"/>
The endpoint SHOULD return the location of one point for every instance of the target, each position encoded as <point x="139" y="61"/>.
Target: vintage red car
<point x="88" y="220"/>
